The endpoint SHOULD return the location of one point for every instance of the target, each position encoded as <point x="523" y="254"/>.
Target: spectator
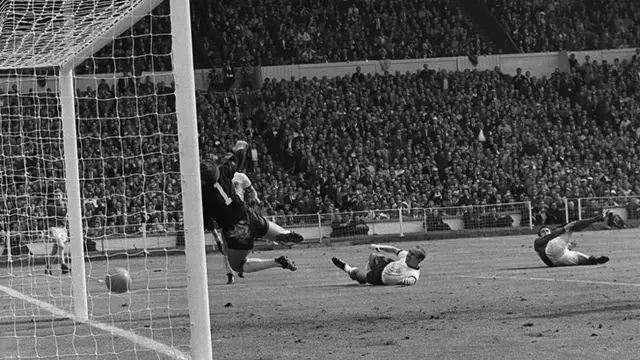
<point x="266" y="33"/>
<point x="330" y="136"/>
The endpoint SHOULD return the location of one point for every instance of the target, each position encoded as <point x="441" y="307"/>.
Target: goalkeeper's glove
<point x="409" y="281"/>
<point x="375" y="247"/>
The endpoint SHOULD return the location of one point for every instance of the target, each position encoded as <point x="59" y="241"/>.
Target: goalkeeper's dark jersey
<point x="221" y="202"/>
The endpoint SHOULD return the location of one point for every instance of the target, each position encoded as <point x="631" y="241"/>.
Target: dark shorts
<point x="242" y="235"/>
<point x="237" y="259"/>
<point x="376" y="265"/>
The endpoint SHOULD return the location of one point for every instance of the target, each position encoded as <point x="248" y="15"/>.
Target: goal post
<point x="197" y="285"/>
<point x="121" y="145"/>
<point x="74" y="203"/>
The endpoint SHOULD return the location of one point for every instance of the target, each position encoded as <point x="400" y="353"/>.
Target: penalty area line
<point x="115" y="331"/>
<point x="548" y="280"/>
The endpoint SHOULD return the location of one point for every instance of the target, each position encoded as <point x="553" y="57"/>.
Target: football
<point x="118" y="280"/>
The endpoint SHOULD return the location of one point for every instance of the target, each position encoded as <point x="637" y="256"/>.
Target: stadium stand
<point x="539" y="26"/>
<point x="543" y="139"/>
<point x="274" y="32"/>
<point x="363" y="142"/>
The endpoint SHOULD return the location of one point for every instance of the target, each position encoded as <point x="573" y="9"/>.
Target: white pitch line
<point x="548" y="280"/>
<point x="133" y="337"/>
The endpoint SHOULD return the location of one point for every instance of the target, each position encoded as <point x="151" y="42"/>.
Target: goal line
<point x="151" y="344"/>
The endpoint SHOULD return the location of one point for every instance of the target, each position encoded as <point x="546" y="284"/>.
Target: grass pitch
<point x="480" y="298"/>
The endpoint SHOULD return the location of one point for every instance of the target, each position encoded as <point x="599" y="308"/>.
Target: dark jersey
<point x="540" y="244"/>
<point x="221" y="202"/>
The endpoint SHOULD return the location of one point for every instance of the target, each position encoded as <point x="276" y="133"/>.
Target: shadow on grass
<point x="570" y="313"/>
<point x="525" y="268"/>
<point x="341" y="286"/>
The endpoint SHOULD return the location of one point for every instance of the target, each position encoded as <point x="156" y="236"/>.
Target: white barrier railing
<point x="538" y="64"/>
<point x="408" y="221"/>
<point x="627" y="207"/>
<point x="390" y="222"/>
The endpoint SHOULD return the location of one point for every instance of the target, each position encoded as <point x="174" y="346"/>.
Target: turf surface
<point x="480" y="298"/>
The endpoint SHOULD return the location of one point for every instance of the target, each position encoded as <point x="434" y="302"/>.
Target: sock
<point x="227" y="266"/>
<point x="274" y="230"/>
<point x="348" y="269"/>
<point x="253" y="265"/>
<point x="583" y="224"/>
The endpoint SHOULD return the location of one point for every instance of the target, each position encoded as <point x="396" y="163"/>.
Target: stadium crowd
<point x="430" y="139"/>
<point x="272" y="32"/>
<point x="441" y="139"/>
<point x="539" y="26"/>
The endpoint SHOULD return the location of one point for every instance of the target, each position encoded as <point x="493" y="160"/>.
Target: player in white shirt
<point x="242" y="184"/>
<point x="384" y="270"/>
<point x="57" y="231"/>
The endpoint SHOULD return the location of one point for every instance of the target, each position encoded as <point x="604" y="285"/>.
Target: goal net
<point x="98" y="154"/>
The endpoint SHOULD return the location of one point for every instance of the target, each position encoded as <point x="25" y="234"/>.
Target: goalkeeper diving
<point x="224" y="187"/>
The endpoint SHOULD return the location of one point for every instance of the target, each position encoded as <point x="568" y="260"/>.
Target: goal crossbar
<point x="52" y="33"/>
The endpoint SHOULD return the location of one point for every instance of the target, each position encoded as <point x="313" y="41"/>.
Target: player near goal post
<point x="56" y="212"/>
<point x="240" y="223"/>
<point x="246" y="192"/>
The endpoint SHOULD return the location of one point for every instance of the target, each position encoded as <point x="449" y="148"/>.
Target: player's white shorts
<point x="59" y="235"/>
<point x="558" y="252"/>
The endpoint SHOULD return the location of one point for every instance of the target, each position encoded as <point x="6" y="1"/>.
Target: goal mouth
<point x="95" y="170"/>
<point x="50" y="33"/>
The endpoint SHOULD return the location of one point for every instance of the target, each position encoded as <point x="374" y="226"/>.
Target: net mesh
<point x="129" y="169"/>
<point x="44" y="33"/>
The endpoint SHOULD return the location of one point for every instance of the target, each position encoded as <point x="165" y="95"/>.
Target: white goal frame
<point x="183" y="70"/>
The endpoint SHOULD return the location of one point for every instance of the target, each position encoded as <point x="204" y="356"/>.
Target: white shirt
<point x="241" y="183"/>
<point x="395" y="272"/>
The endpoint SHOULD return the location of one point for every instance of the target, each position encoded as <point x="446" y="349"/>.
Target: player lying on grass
<point x="384" y="270"/>
<point x="240" y="224"/>
<point x="555" y="248"/>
